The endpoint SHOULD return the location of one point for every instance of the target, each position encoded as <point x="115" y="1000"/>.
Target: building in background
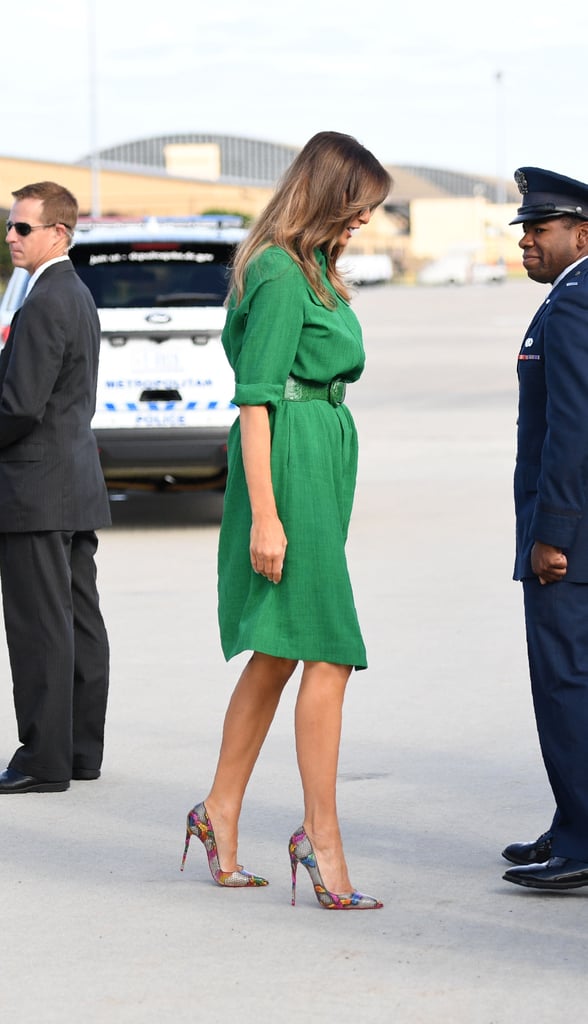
<point x="430" y="211"/>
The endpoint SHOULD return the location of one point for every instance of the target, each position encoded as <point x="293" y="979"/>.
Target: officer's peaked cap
<point x="547" y="194"/>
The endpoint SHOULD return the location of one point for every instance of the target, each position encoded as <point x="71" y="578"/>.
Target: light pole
<point x="94" y="152"/>
<point x="500" y="192"/>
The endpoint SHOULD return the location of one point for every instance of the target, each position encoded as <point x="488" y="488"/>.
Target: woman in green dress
<point x="284" y="590"/>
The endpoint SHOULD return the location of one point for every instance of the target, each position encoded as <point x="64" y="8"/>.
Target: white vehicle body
<point x="460" y="269"/>
<point x="364" y="268"/>
<point x="163" y="408"/>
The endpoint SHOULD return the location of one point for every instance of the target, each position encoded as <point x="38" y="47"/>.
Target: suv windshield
<point x="127" y="274"/>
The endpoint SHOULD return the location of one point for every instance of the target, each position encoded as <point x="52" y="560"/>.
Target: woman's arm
<point x="268" y="540"/>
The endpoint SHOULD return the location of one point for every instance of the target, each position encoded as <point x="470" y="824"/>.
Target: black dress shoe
<point x="558" y="873"/>
<point x="529" y="853"/>
<point x="85" y="773"/>
<point x="13" y="781"/>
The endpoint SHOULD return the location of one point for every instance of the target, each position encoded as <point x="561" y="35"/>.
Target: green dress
<point x="280" y="327"/>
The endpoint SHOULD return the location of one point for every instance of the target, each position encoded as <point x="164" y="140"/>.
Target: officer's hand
<point x="548" y="563"/>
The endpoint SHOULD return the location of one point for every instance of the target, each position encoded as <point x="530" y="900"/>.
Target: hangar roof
<point x="255" y="161"/>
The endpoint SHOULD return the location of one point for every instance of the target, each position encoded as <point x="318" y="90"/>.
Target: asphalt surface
<point x="439" y="766"/>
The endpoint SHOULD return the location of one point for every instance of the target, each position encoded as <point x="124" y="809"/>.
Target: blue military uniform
<point x="551" y="502"/>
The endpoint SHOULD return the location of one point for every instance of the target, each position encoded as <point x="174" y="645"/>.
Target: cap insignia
<point x="521" y="182"/>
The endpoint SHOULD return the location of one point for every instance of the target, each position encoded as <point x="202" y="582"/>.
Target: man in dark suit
<point x="52" y="498"/>
<point x="551" y="502"/>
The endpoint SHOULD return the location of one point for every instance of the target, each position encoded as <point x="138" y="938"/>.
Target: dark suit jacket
<point x="551" y="475"/>
<point x="50" y="475"/>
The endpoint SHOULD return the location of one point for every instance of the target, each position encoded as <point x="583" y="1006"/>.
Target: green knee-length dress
<point x="281" y="328"/>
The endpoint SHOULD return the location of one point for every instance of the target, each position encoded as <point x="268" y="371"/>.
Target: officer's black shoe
<point x="529" y="853"/>
<point x="558" y="873"/>
<point x="13" y="781"/>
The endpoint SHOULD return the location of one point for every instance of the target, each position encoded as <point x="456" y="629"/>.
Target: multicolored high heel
<point x="198" y="824"/>
<point x="301" y="852"/>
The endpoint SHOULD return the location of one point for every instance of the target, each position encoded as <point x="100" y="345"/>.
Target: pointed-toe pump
<point x="301" y="852"/>
<point x="198" y="824"/>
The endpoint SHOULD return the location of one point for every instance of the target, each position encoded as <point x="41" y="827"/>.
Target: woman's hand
<point x="268" y="541"/>
<point x="268" y="548"/>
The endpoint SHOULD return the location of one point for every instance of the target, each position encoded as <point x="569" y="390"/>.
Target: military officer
<point x="551" y="503"/>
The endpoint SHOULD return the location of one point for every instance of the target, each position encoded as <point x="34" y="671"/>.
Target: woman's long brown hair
<point x="330" y="181"/>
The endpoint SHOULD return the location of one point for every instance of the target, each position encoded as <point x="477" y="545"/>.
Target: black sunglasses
<point x="23" y="229"/>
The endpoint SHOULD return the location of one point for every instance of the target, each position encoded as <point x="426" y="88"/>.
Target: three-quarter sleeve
<point x="272" y="318"/>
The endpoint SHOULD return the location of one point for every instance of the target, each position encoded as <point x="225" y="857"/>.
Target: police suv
<point x="163" y="409"/>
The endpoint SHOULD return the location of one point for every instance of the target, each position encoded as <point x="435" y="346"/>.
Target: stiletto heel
<point x="198" y="824"/>
<point x="294" y="866"/>
<point x="301" y="852"/>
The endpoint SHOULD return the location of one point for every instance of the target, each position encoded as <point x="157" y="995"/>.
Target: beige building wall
<point x="126" y="194"/>
<point x="436" y="225"/>
<point x="472" y="225"/>
<point x="193" y="161"/>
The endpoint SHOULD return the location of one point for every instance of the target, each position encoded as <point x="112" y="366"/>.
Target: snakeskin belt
<point x="296" y="390"/>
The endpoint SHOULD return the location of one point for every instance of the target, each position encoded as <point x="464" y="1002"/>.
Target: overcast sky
<point x="460" y="85"/>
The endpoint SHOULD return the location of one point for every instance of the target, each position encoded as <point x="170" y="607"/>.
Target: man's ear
<point x="582" y="234"/>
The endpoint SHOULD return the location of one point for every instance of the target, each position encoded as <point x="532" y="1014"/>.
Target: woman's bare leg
<point x="319" y="711"/>
<point x="249" y="715"/>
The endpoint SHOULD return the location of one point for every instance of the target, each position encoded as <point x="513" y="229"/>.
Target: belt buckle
<point x="336" y="392"/>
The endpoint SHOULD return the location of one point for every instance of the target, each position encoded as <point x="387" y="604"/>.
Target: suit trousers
<point x="556" y="616"/>
<point x="58" y="649"/>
